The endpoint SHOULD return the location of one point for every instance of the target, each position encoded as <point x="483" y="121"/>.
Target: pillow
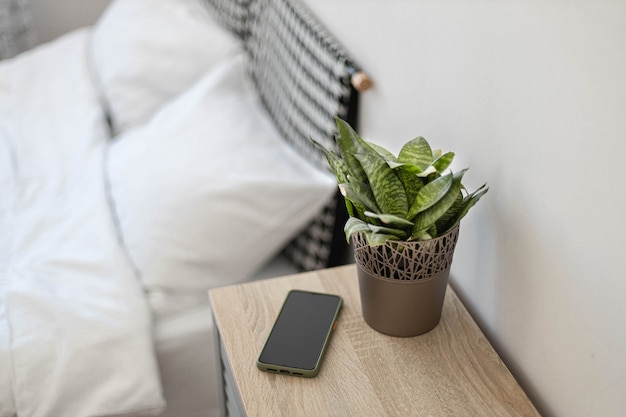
<point x="75" y="329"/>
<point x="207" y="192"/>
<point x="146" y="52"/>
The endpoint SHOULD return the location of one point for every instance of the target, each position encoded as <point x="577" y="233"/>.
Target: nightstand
<point x="450" y="371"/>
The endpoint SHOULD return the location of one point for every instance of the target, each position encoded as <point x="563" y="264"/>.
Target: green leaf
<point x="350" y="207"/>
<point x="366" y="193"/>
<point x="337" y="165"/>
<point x="389" y="219"/>
<point x="347" y="140"/>
<point x="386" y="186"/>
<point x="429" y="234"/>
<point x="376" y="239"/>
<point x="413" y="169"/>
<point x="411" y="182"/>
<point x="383" y="152"/>
<point x="358" y="198"/>
<point x="425" y="219"/>
<point x="468" y="203"/>
<point x="445" y="221"/>
<point x="368" y="167"/>
<point x="427" y="172"/>
<point x="443" y="162"/>
<point x="393" y="162"/>
<point x="430" y="194"/>
<point x="353" y="226"/>
<point x="416" y="152"/>
<point x="389" y="198"/>
<point x="387" y="231"/>
<point x="359" y="210"/>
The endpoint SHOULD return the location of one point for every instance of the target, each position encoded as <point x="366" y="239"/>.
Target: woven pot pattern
<point x="407" y="261"/>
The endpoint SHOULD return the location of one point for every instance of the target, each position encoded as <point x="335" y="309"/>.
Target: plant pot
<point x="403" y="284"/>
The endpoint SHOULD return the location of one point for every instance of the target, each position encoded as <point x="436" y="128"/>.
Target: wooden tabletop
<point x="450" y="371"/>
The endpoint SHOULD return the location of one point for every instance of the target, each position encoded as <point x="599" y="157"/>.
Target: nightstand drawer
<point x="231" y="403"/>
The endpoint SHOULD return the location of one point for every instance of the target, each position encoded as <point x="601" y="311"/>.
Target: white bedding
<point x="85" y="329"/>
<point x="75" y="326"/>
<point x="184" y="337"/>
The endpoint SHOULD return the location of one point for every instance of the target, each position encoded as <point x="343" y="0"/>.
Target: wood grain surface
<point x="450" y="371"/>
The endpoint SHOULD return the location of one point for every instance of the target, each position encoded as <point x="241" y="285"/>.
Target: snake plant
<point x="412" y="196"/>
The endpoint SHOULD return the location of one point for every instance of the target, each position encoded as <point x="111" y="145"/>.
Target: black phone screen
<point x="301" y="330"/>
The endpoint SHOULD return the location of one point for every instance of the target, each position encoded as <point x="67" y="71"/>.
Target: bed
<point x="161" y="152"/>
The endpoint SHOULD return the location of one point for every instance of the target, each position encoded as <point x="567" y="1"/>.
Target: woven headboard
<point x="305" y="79"/>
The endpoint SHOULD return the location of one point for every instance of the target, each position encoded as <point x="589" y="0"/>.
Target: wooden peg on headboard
<point x="360" y="81"/>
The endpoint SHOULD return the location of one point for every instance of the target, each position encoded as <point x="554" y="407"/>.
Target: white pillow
<point x="207" y="192"/>
<point x="75" y="329"/>
<point x="146" y="52"/>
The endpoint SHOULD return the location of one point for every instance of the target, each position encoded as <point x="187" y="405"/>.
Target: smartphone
<point x="300" y="335"/>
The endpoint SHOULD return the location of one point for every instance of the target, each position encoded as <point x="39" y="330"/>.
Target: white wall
<point x="532" y="97"/>
<point x="531" y="94"/>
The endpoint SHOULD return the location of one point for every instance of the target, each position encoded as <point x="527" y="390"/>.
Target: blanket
<point x="75" y="329"/>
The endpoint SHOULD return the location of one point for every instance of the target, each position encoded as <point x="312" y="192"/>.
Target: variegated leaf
<point x="347" y="140"/>
<point x="445" y="221"/>
<point x="357" y="198"/>
<point x="443" y="162"/>
<point x="353" y="226"/>
<point x="366" y="192"/>
<point x="430" y="194"/>
<point x="389" y="219"/>
<point x="425" y="219"/>
<point x="388" y="156"/>
<point x="388" y="231"/>
<point x="376" y="239"/>
<point x="469" y="202"/>
<point x="411" y="182"/>
<point x="416" y="152"/>
<point x="384" y="182"/>
<point x="337" y="165"/>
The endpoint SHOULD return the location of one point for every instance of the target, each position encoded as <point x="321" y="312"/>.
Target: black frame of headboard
<point x="303" y="76"/>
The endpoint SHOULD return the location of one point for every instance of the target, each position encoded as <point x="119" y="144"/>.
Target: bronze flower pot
<point x="403" y="284"/>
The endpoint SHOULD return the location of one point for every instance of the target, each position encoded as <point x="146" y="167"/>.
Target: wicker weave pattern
<point x="304" y="81"/>
<point x="231" y="14"/>
<point x="400" y="260"/>
<point x="303" y="78"/>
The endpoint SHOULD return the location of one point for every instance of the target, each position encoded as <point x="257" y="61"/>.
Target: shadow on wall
<point x="16" y="27"/>
<point x="493" y="260"/>
<point x="534" y="303"/>
<point x="52" y="18"/>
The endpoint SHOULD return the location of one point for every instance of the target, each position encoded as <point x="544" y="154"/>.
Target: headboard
<point x="304" y="78"/>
